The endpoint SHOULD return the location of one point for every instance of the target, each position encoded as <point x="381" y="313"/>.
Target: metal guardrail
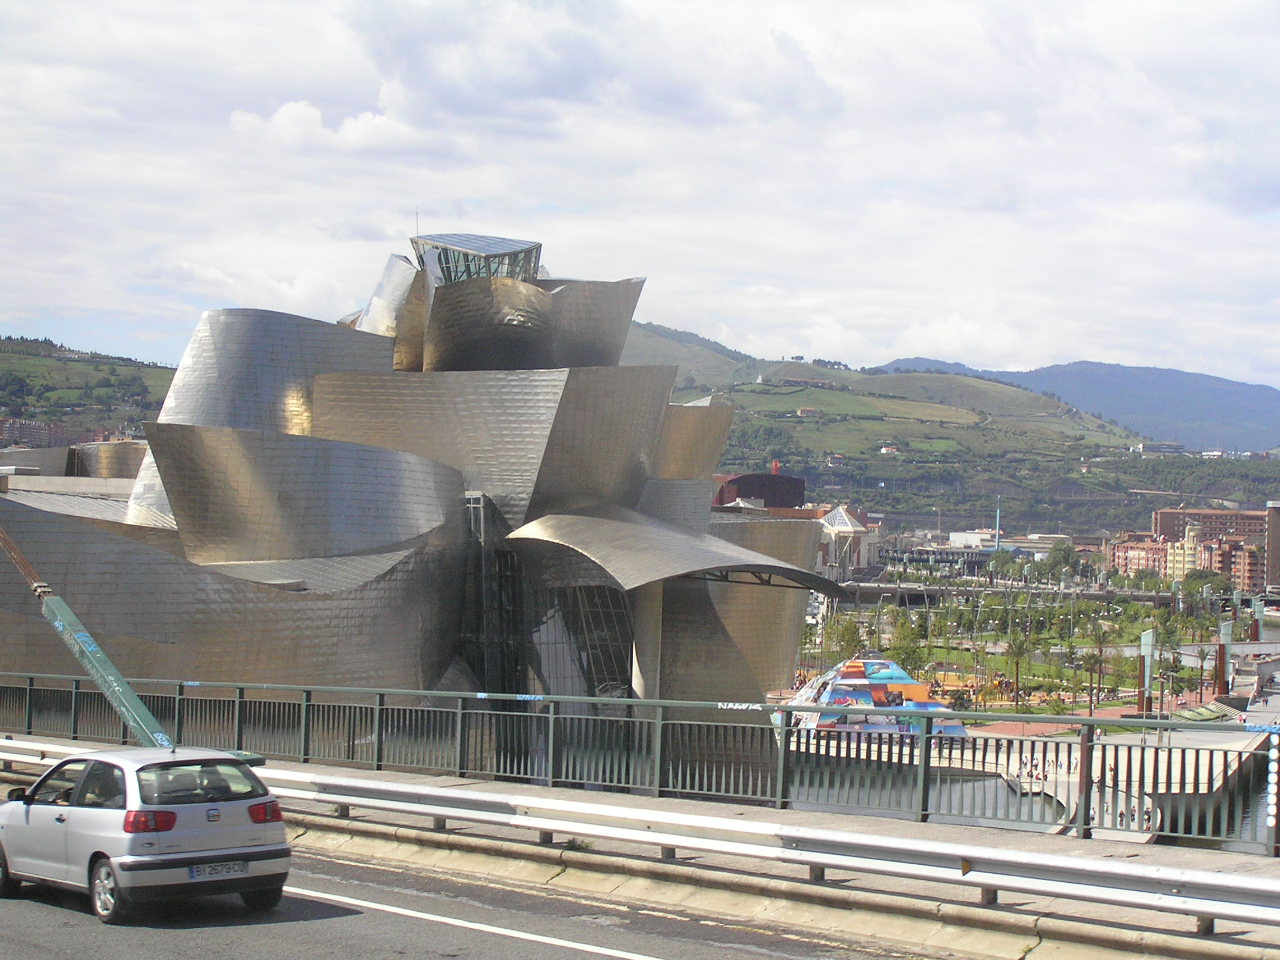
<point x="1201" y="894"/>
<point x="1079" y="780"/>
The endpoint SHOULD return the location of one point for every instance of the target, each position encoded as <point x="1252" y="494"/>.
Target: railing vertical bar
<point x="179" y="701"/>
<point x="551" y="743"/>
<point x="30" y="706"/>
<point x="782" y="771"/>
<point x="304" y="747"/>
<point x="657" y="733"/>
<point x="459" y="738"/>
<point x="75" y="709"/>
<point x="379" y="734"/>
<point x="1085" y="781"/>
<point x="238" y="716"/>
<point x="923" y="767"/>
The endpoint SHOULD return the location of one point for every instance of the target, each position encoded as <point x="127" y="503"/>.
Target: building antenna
<point x="416" y="230"/>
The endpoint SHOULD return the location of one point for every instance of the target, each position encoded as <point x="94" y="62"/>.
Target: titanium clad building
<point x="459" y="489"/>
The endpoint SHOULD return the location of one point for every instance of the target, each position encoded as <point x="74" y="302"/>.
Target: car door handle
<point x="61" y="818"/>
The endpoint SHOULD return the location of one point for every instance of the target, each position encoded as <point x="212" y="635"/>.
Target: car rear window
<point x="198" y="781"/>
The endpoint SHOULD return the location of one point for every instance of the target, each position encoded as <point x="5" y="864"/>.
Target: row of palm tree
<point x="1085" y="633"/>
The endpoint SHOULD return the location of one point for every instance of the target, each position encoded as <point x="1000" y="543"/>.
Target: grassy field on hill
<point x="83" y="392"/>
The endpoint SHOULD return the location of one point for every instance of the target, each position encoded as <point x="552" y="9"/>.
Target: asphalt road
<point x="363" y="911"/>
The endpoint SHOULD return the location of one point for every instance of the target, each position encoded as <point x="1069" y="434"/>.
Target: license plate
<point x="208" y="871"/>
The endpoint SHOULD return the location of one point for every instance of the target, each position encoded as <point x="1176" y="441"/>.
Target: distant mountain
<point x="1194" y="409"/>
<point x="925" y="365"/>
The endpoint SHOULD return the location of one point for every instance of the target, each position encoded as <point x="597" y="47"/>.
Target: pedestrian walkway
<point x="1051" y="726"/>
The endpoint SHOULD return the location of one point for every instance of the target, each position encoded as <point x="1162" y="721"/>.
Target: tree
<point x="1202" y="654"/>
<point x="844" y="637"/>
<point x="1019" y="648"/>
<point x="1061" y="555"/>
<point x="1194" y="582"/>
<point x="906" y="647"/>
<point x="1092" y="663"/>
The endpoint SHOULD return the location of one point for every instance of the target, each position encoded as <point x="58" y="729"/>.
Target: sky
<point x="1003" y="184"/>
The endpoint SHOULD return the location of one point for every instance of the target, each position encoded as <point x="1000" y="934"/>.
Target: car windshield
<point x="198" y="781"/>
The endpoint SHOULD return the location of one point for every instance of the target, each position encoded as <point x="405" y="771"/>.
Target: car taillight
<point x="149" y="821"/>
<point x="268" y="812"/>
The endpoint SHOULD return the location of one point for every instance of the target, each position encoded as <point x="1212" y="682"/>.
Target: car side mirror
<point x="19" y="793"/>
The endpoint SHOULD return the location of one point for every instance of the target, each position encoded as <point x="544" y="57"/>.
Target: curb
<point x="899" y="920"/>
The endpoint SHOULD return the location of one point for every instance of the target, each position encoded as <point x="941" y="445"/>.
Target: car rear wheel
<point x="261" y="900"/>
<point x="109" y="902"/>
<point x="8" y="885"/>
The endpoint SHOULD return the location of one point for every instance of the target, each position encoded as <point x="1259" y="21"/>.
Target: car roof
<point x="145" y="756"/>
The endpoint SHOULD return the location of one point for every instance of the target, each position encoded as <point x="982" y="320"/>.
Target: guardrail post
<point x="31" y="689"/>
<point x="924" y="767"/>
<point x="239" y="718"/>
<point x="1084" y="783"/>
<point x="305" y="745"/>
<point x="75" y="709"/>
<point x="551" y="743"/>
<point x="179" y="699"/>
<point x="656" y="750"/>
<point x="379" y="737"/>
<point x="784" y="756"/>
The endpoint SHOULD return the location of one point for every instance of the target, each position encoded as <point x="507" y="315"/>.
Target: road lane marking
<point x="469" y="925"/>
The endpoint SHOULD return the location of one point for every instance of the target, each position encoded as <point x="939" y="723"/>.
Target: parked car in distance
<point x="143" y="824"/>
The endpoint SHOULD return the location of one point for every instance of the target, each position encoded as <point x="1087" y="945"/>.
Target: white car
<point x="144" y="824"/>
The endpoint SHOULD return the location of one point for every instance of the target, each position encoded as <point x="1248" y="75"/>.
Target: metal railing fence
<point x="1172" y="892"/>
<point x="1150" y="779"/>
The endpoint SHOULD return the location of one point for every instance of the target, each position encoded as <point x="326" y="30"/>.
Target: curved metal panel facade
<point x="162" y="616"/>
<point x="116" y="459"/>
<point x="685" y="503"/>
<point x="491" y="425"/>
<point x="250" y="495"/>
<point x="489" y="323"/>
<point x="766" y="625"/>
<point x="252" y="369"/>
<point x="381" y="314"/>
<point x="691" y="442"/>
<point x="603" y="438"/>
<point x="590" y="320"/>
<point x="398" y="309"/>
<point x="636" y="550"/>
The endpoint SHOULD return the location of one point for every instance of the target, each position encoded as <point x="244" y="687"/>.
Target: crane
<point x="141" y="722"/>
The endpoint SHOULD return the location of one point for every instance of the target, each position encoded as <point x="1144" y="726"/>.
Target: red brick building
<point x="1132" y="552"/>
<point x="1171" y="523"/>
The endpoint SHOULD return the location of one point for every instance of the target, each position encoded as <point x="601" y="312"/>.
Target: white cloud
<point x="998" y="183"/>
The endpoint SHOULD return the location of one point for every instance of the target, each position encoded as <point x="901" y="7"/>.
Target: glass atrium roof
<point x="462" y="256"/>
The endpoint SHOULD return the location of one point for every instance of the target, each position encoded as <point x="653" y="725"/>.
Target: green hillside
<point x="929" y="416"/>
<point x="85" y="392"/>
<point x="952" y="443"/>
